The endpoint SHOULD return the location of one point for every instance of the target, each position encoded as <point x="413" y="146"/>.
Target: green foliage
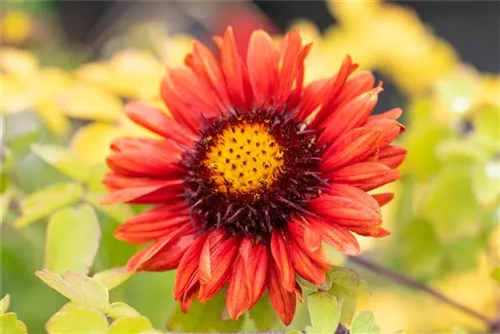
<point x="130" y="325"/>
<point x="204" y="317"/>
<point x="74" y="318"/>
<point x="81" y="290"/>
<point x="364" y="323"/>
<point x="45" y="201"/>
<point x="324" y="310"/>
<point x="63" y="160"/>
<point x="72" y="240"/>
<point x="113" y="277"/>
<point x="9" y="324"/>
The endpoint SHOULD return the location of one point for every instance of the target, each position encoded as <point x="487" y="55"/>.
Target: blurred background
<point x="68" y="67"/>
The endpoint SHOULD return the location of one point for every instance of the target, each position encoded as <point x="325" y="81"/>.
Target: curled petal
<point x="187" y="273"/>
<point x="282" y="300"/>
<point x="238" y="294"/>
<point x="281" y="256"/>
<point x="221" y="256"/>
<point x="255" y="259"/>
<point x="389" y="114"/>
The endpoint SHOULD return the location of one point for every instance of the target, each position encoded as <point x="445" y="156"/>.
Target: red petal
<point x="392" y="156"/>
<point x="187" y="272"/>
<point x="255" y="259"/>
<point x="164" y="254"/>
<point x="358" y="84"/>
<point x="389" y="114"/>
<point x="331" y="90"/>
<point x="208" y="68"/>
<point x="336" y="236"/>
<point x="349" y="116"/>
<point x="365" y="175"/>
<point x="311" y="98"/>
<point x="383" y="198"/>
<point x="238" y="296"/>
<point x="390" y="129"/>
<point x="344" y="190"/>
<point x="159" y="123"/>
<point x="155" y="223"/>
<point x="262" y="68"/>
<point x="282" y="301"/>
<point x="141" y="190"/>
<point x="298" y="233"/>
<point x="281" y="256"/>
<point x="353" y="146"/>
<point x="344" y="211"/>
<point x="303" y="264"/>
<point x="222" y="256"/>
<point x="189" y="297"/>
<point x="235" y="72"/>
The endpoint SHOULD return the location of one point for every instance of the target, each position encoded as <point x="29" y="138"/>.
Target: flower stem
<point x="409" y="282"/>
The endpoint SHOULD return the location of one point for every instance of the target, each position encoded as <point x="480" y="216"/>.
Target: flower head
<point x="255" y="171"/>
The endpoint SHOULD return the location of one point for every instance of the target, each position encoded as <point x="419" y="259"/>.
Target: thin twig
<point x="407" y="281"/>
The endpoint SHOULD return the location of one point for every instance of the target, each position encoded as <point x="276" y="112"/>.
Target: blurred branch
<point x="410" y="282"/>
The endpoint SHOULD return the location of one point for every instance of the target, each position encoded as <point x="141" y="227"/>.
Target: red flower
<point x="255" y="171"/>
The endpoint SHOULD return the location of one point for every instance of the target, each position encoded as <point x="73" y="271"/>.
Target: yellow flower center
<point x="244" y="158"/>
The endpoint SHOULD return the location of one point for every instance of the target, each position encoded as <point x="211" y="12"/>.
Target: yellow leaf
<point x="63" y="160"/>
<point x="96" y="73"/>
<point x="88" y="101"/>
<point x="91" y="142"/>
<point x="130" y="325"/>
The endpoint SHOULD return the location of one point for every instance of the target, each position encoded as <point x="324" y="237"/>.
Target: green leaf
<point x="262" y="314"/>
<point x="119" y="310"/>
<point x="4" y="304"/>
<point x="130" y="325"/>
<point x="422" y="160"/>
<point x="324" y="312"/>
<point x="450" y="204"/>
<point x="10" y="325"/>
<point x="63" y="160"/>
<point x="203" y="317"/>
<point x="72" y="241"/>
<point x="364" y="323"/>
<point x="73" y="318"/>
<point x="485" y="124"/>
<point x="113" y="277"/>
<point x="496" y="274"/>
<point x="347" y="278"/>
<point x="46" y="201"/>
<point x="81" y="290"/>
<point x="347" y="298"/>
